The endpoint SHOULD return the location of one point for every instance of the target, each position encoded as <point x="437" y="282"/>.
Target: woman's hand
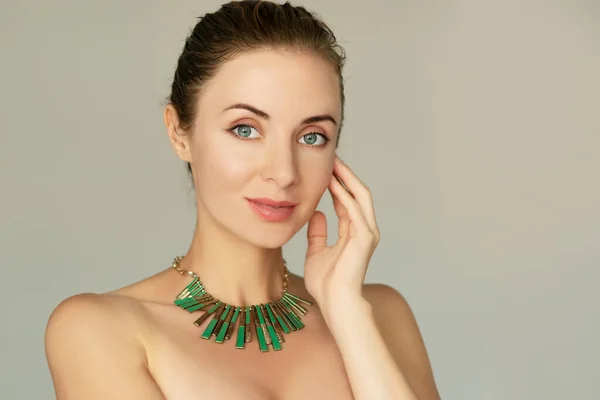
<point x="338" y="271"/>
<point x="334" y="276"/>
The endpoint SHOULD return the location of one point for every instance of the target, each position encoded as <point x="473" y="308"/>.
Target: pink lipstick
<point x="272" y="210"/>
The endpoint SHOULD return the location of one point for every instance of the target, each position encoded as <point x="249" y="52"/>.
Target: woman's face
<point x="266" y="128"/>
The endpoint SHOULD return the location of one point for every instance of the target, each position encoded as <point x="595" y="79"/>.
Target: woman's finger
<point x="337" y="206"/>
<point x="359" y="191"/>
<point x="316" y="233"/>
<point x="353" y="209"/>
<point x="342" y="214"/>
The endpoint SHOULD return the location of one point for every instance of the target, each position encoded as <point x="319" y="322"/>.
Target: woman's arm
<point x="93" y="355"/>
<point x="381" y="346"/>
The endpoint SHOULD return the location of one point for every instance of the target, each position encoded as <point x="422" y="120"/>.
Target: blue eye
<point x="314" y="139"/>
<point x="245" y="131"/>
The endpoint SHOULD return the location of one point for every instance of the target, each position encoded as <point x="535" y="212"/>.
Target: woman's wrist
<point x="344" y="311"/>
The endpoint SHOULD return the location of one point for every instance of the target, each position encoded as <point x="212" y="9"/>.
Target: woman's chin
<point x="265" y="234"/>
<point x="274" y="236"/>
<point x="273" y="241"/>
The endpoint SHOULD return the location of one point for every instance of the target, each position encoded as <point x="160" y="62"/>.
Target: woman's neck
<point x="232" y="270"/>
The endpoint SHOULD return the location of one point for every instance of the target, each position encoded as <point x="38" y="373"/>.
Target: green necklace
<point x="269" y="321"/>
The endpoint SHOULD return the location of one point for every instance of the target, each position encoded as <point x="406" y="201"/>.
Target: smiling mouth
<point x="272" y="203"/>
<point x="272" y="210"/>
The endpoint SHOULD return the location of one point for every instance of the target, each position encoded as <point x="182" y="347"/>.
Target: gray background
<point x="475" y="123"/>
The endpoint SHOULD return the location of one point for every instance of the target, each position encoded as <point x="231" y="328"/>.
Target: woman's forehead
<point x="277" y="82"/>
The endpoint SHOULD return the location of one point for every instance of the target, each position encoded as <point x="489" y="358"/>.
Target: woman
<point x="255" y="111"/>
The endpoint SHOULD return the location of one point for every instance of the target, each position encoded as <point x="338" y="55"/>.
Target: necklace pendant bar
<point x="205" y="316"/>
<point x="276" y="322"/>
<point x="187" y="288"/>
<point x="211" y="326"/>
<point x="300" y="299"/>
<point x="223" y="324"/>
<point x="243" y="328"/>
<point x="249" y="325"/>
<point x="236" y="313"/>
<point x="286" y="315"/>
<point x="221" y="319"/>
<point x="274" y="340"/>
<point x="295" y="305"/>
<point x="260" y="334"/>
<point x="292" y="315"/>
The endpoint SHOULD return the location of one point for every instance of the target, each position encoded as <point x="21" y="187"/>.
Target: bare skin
<point x="267" y="125"/>
<point x="222" y="371"/>
<point x="165" y="357"/>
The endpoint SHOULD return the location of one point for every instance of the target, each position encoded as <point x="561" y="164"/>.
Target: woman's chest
<point x="187" y="366"/>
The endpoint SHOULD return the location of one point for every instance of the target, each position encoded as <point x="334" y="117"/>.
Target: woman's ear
<point x="178" y="138"/>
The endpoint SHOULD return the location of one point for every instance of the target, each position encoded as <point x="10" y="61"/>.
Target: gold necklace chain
<point x="177" y="266"/>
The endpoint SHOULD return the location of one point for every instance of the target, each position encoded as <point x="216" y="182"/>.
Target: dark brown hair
<point x="241" y="26"/>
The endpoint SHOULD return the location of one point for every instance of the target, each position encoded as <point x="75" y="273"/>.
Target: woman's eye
<point x="314" y="139"/>
<point x="245" y="131"/>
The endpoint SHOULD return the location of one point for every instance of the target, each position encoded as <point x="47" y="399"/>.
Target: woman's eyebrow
<point x="319" y="118"/>
<point x="244" y="106"/>
<point x="264" y="115"/>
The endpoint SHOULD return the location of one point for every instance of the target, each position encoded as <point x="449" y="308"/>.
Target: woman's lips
<point x="272" y="210"/>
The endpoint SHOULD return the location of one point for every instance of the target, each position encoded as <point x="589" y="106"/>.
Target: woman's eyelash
<point x="242" y="125"/>
<point x="325" y="138"/>
<point x="233" y="128"/>
<point x="232" y="131"/>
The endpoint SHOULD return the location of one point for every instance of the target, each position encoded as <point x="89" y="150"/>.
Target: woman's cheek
<point x="226" y="158"/>
<point x="318" y="177"/>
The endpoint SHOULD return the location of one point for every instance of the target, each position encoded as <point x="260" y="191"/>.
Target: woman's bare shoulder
<point x="158" y="288"/>
<point x="122" y="312"/>
<point x="115" y="317"/>
<point x="121" y="307"/>
<point x="90" y="318"/>
<point x="94" y="350"/>
<point x="398" y="326"/>
<point x="392" y="314"/>
<point x="85" y="307"/>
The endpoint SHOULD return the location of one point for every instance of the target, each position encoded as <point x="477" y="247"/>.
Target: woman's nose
<point x="280" y="166"/>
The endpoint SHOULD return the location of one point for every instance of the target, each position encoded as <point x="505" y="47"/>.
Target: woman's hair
<point x="241" y="26"/>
